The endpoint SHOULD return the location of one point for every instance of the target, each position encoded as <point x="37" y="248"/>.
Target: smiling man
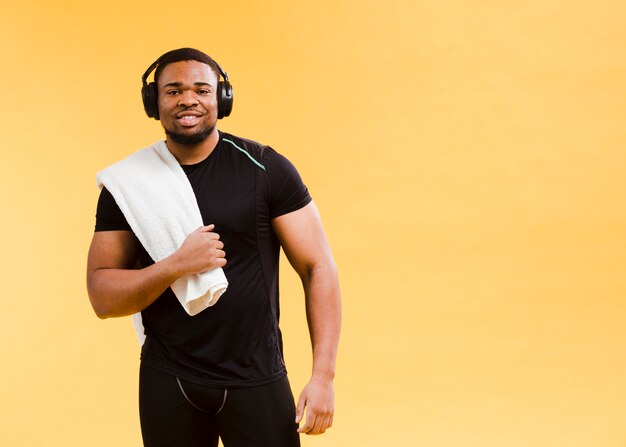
<point x="187" y="105"/>
<point x="219" y="373"/>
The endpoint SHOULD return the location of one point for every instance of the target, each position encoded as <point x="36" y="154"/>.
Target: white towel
<point x="153" y="192"/>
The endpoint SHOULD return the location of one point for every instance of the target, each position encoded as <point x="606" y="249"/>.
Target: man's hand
<point x="202" y="250"/>
<point x="318" y="397"/>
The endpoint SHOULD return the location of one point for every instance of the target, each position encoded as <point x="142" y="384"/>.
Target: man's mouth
<point x="188" y="119"/>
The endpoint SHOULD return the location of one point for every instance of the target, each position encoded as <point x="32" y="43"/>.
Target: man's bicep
<point x="302" y="237"/>
<point x="112" y="250"/>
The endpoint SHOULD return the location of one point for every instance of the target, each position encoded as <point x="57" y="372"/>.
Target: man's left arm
<point x="302" y="237"/>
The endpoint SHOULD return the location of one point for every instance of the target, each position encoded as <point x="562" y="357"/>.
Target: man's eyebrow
<point x="180" y="84"/>
<point x="173" y="84"/>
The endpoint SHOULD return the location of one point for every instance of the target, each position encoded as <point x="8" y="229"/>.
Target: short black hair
<point x="185" y="54"/>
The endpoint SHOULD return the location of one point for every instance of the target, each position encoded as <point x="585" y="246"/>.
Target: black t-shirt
<point x="240" y="187"/>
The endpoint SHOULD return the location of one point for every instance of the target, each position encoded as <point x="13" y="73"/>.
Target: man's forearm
<point x="323" y="309"/>
<point x="121" y="292"/>
<point x="115" y="290"/>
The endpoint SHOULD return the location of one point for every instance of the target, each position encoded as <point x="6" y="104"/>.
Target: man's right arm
<point x="116" y="289"/>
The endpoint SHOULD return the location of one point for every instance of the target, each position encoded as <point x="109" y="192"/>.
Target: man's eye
<point x="203" y="92"/>
<point x="173" y="92"/>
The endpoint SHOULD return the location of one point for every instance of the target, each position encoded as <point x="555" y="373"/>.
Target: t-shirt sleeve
<point x="287" y="190"/>
<point x="109" y="217"/>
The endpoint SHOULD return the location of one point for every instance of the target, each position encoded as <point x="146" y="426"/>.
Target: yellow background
<point x="468" y="161"/>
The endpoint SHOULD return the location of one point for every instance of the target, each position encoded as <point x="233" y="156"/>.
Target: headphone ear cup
<point x="149" y="97"/>
<point x="224" y="99"/>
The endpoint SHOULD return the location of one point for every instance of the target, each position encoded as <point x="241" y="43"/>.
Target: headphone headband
<point x="156" y="63"/>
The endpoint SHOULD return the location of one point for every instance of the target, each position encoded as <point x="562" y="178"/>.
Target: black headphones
<point x="149" y="93"/>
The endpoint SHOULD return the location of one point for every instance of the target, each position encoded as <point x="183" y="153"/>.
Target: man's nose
<point x="188" y="99"/>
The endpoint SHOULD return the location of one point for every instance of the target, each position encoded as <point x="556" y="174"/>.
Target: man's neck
<point x="188" y="155"/>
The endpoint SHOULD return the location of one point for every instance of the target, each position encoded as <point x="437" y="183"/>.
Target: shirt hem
<point x="226" y="383"/>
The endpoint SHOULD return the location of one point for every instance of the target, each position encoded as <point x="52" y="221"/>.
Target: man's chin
<point x="190" y="139"/>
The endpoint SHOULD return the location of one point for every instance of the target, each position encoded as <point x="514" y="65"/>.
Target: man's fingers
<point x="317" y="421"/>
<point x="308" y="426"/>
<point x="328" y="422"/>
<point x="209" y="231"/>
<point x="320" y="425"/>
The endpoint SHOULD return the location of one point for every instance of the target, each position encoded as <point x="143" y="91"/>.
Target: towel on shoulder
<point x="153" y="192"/>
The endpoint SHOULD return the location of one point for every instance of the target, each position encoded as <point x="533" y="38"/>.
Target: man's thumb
<point x="300" y="409"/>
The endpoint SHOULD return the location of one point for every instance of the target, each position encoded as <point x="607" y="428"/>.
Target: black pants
<point x="177" y="413"/>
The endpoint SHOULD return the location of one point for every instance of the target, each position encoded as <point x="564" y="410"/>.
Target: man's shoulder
<point x="260" y="154"/>
<point x="139" y="154"/>
<point x="243" y="143"/>
<point x="146" y="159"/>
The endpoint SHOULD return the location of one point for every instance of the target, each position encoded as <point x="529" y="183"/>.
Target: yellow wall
<point x="468" y="160"/>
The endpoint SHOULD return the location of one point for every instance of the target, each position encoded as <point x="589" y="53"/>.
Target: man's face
<point x="187" y="101"/>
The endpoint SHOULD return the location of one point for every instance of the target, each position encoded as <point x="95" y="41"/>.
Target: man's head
<point x="149" y="91"/>
<point x="187" y="102"/>
<point x="187" y="95"/>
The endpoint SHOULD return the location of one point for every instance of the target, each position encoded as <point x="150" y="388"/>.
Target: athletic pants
<point x="178" y="413"/>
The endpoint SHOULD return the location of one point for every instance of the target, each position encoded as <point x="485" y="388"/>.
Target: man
<point x="220" y="373"/>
